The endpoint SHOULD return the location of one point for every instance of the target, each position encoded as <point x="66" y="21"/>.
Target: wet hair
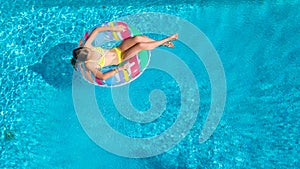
<point x="79" y="55"/>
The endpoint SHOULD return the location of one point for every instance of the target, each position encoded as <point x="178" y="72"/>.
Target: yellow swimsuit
<point x="119" y="54"/>
<point x="101" y="61"/>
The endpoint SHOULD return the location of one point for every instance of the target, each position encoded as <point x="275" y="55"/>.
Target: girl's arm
<point x="94" y="33"/>
<point x="104" y="76"/>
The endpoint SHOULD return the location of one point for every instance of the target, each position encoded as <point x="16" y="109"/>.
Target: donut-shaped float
<point x="137" y="64"/>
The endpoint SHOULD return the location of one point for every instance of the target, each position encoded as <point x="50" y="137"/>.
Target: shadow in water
<point x="56" y="68"/>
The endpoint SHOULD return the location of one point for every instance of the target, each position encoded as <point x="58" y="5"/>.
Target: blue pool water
<point x="258" y="44"/>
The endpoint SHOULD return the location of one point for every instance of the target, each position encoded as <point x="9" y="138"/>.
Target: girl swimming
<point x="95" y="58"/>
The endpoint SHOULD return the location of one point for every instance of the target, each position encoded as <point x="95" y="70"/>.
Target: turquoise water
<point x="258" y="43"/>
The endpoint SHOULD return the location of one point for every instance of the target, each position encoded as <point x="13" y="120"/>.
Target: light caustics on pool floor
<point x="258" y="46"/>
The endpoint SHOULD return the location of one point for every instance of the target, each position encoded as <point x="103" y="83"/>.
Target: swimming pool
<point x="258" y="44"/>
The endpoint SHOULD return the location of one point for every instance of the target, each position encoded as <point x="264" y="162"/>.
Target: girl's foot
<point x="173" y="37"/>
<point x="169" y="44"/>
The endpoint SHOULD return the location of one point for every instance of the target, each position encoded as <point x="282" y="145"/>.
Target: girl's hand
<point x="123" y="67"/>
<point x="119" y="28"/>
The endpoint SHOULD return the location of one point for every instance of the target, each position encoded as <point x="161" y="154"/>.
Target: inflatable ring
<point x="137" y="64"/>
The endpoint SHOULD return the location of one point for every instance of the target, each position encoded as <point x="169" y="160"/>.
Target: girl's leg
<point x="127" y="43"/>
<point x="133" y="50"/>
